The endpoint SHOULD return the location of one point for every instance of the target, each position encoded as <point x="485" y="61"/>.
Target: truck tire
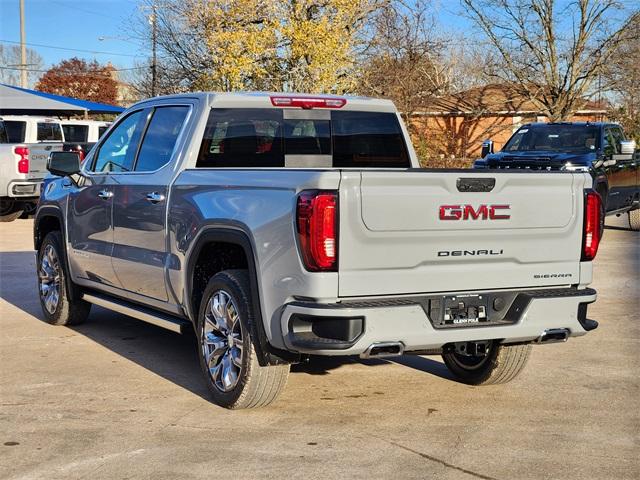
<point x="634" y="219"/>
<point x="501" y="365"/>
<point x="226" y="350"/>
<point x="59" y="297"/>
<point x="8" y="210"/>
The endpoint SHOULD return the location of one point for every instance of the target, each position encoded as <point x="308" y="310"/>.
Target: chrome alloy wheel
<point x="49" y="279"/>
<point x="222" y="341"/>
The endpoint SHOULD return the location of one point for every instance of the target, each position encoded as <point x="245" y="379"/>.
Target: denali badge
<point x="465" y="253"/>
<point x="468" y="212"/>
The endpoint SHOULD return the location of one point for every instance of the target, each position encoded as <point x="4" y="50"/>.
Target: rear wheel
<point x="228" y="358"/>
<point x="9" y="210"/>
<point x="501" y="364"/>
<point x="29" y="209"/>
<point x="634" y="219"/>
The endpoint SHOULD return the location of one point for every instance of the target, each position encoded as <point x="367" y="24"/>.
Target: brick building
<point x="456" y="125"/>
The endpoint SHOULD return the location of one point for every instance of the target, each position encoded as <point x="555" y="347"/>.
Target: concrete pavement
<point x="117" y="398"/>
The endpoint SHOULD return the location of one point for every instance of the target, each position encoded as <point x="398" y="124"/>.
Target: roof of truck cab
<point x="75" y="121"/>
<point x="263" y="100"/>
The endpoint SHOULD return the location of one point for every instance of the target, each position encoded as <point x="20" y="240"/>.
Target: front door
<point x="140" y="206"/>
<point x="90" y="229"/>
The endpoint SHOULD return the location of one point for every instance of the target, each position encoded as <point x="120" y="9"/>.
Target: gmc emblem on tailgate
<point x="468" y="212"/>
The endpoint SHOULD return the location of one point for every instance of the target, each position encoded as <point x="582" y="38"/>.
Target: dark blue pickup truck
<point x="599" y="148"/>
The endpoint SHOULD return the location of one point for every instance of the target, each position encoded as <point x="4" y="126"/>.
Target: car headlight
<point x="568" y="167"/>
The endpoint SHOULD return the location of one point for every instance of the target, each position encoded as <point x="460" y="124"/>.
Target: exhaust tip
<point x="554" y="335"/>
<point x="383" y="349"/>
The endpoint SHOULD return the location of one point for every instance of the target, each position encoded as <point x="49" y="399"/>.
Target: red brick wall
<point x="460" y="137"/>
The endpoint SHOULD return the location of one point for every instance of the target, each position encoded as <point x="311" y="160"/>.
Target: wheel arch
<point x="47" y="220"/>
<point x="234" y="236"/>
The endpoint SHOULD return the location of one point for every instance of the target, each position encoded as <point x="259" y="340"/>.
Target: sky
<point x="72" y="25"/>
<point x="101" y="29"/>
<point x="84" y="28"/>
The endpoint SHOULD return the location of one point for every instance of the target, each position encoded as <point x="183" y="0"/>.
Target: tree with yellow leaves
<point x="279" y="45"/>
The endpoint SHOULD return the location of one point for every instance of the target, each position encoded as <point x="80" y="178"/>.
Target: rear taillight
<point x="317" y="217"/>
<point x="80" y="151"/>
<point x="23" y="163"/>
<point x="593" y="225"/>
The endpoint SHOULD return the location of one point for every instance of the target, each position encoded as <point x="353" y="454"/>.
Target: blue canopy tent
<point x="22" y="101"/>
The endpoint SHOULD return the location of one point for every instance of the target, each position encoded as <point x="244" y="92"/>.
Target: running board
<point x="141" y="313"/>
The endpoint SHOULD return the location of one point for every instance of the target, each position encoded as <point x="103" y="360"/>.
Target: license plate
<point x="464" y="309"/>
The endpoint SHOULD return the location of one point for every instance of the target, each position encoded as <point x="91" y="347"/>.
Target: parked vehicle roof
<point x="32" y="118"/>
<point x="596" y="124"/>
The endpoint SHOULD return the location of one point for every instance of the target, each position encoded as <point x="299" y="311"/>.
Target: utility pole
<point x="23" y="49"/>
<point x="154" y="60"/>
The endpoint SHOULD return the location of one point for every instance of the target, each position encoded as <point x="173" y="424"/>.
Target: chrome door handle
<point x="155" y="197"/>
<point x="105" y="194"/>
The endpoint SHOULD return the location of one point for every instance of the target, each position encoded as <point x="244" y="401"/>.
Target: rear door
<point x="404" y="232"/>
<point x="140" y="205"/>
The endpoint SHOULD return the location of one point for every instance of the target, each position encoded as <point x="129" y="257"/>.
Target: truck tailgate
<point x="404" y="232"/>
<point x="38" y="155"/>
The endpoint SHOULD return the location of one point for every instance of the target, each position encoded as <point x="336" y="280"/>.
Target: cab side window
<point x="117" y="153"/>
<point x="613" y="137"/>
<point x="160" y="138"/>
<point x="618" y="138"/>
<point x="609" y="143"/>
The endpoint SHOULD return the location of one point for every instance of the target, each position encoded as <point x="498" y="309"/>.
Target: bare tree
<point x="553" y="53"/>
<point x="139" y="80"/>
<point x="405" y="61"/>
<point x="10" y="69"/>
<point x="183" y="55"/>
<point x="467" y="60"/>
<point x="622" y="78"/>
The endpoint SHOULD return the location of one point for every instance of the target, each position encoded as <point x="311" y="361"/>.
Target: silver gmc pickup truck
<point x="279" y="226"/>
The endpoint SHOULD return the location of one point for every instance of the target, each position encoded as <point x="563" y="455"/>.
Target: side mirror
<point x="63" y="164"/>
<point x="487" y="148"/>
<point x="627" y="147"/>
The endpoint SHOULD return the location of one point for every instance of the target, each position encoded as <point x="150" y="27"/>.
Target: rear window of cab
<point x="250" y="137"/>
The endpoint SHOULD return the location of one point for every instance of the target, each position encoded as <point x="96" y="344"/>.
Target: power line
<point x="90" y="71"/>
<point x="82" y="9"/>
<point x="70" y="49"/>
<point x="94" y="73"/>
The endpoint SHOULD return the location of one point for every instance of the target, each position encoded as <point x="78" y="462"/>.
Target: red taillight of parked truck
<point x="592" y="226"/>
<point x="317" y="222"/>
<point x="23" y="162"/>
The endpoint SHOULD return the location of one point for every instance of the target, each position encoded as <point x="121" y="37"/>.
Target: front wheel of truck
<point x="59" y="297"/>
<point x="501" y="364"/>
<point x="227" y="355"/>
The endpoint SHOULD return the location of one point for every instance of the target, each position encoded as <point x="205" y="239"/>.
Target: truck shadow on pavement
<point x="167" y="354"/>
<point x="615" y="227"/>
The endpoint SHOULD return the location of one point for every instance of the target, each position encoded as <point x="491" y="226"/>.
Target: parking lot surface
<point x="120" y="399"/>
